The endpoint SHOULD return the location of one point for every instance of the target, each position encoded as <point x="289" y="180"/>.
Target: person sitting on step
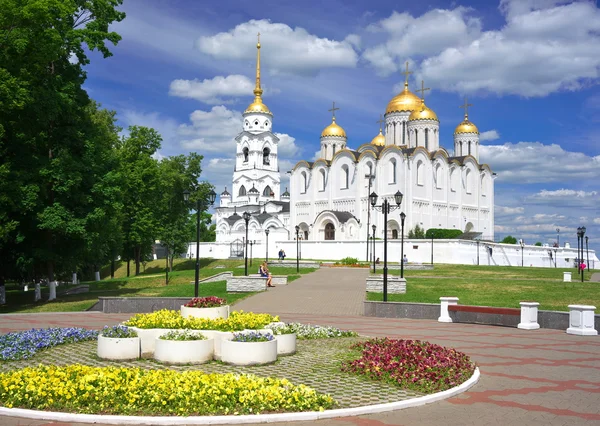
<point x="264" y="272"/>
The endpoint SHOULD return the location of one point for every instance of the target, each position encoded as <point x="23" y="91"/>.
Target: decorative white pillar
<point x="26" y="288"/>
<point x="74" y="277"/>
<point x="529" y="316"/>
<point x="97" y="275"/>
<point x="38" y="292"/>
<point x="444" y="303"/>
<point x="566" y="277"/>
<point x="581" y="320"/>
<point x="52" y="288"/>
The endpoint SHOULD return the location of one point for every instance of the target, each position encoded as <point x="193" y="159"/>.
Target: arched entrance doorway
<point x="329" y="232"/>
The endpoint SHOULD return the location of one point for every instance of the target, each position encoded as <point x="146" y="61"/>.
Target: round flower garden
<point x="59" y="369"/>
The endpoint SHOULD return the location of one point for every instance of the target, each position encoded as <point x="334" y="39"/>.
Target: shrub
<point x="443" y="234"/>
<point x="182" y="335"/>
<point x="417" y="233"/>
<point x="25" y="344"/>
<point x="538" y="244"/>
<point x="118" y="332"/>
<point x="509" y="239"/>
<point x="133" y="391"/>
<point x="349" y="261"/>
<point x="411" y="364"/>
<point x="307" y="331"/>
<point x="253" y="336"/>
<point x="206" y="302"/>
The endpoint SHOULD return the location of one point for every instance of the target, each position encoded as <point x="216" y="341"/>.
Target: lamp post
<point x="370" y="176"/>
<point x="297" y="249"/>
<point x="267" y="249"/>
<point x="246" y="217"/>
<point x="580" y="234"/>
<point x="522" y="247"/>
<point x="402" y="217"/>
<point x="300" y="247"/>
<point x="432" y="250"/>
<point x="555" y="250"/>
<point x="199" y="205"/>
<point x="578" y="260"/>
<point x="386" y="207"/>
<point x="251" y="242"/>
<point x="374" y="228"/>
<point x="587" y="252"/>
<point x="557" y="237"/>
<point x="477" y="252"/>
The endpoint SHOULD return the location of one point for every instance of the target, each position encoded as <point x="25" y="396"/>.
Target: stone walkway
<point x="541" y="377"/>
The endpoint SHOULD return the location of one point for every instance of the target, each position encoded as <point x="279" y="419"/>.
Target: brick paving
<point x="541" y="377"/>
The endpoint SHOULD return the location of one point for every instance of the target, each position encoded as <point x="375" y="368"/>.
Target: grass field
<point x="501" y="286"/>
<point x="150" y="282"/>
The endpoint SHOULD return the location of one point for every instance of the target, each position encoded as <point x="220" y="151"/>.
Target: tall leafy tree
<point x="47" y="147"/>
<point x="140" y="179"/>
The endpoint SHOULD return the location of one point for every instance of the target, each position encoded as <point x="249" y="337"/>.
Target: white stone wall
<point x="246" y="284"/>
<point x="395" y="284"/>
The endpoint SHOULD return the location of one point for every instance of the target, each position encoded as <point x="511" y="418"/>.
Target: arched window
<point x="322" y="179"/>
<point x="468" y="183"/>
<point x="394" y="234"/>
<point x="393" y="170"/>
<point x="469" y="147"/>
<point x="305" y="235"/>
<point x="453" y="176"/>
<point x="267" y="192"/>
<point x="427" y="139"/>
<point x="416" y="138"/>
<point x="242" y="192"/>
<point x="483" y="186"/>
<point x="439" y="184"/>
<point x="304" y="182"/>
<point x="266" y="153"/>
<point x="329" y="231"/>
<point x="404" y="133"/>
<point x="246" y="151"/>
<point x="345" y="177"/>
<point x="334" y="147"/>
<point x="420" y="168"/>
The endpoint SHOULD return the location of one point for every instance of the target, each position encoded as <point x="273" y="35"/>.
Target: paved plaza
<point x="541" y="377"/>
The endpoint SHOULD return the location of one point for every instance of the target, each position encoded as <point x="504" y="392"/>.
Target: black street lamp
<point x="578" y="259"/>
<point x="402" y="217"/>
<point x="246" y="217"/>
<point x="200" y="205"/>
<point x="555" y="250"/>
<point x="297" y="249"/>
<point x="267" y="249"/>
<point x="374" y="228"/>
<point x="432" y="250"/>
<point x="251" y="242"/>
<point x="386" y="207"/>
<point x="580" y="235"/>
<point x="557" y="237"/>
<point x="370" y="176"/>
<point x="477" y="252"/>
<point x="587" y="252"/>
<point x="522" y="247"/>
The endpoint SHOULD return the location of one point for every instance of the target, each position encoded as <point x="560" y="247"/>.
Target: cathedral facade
<point x="329" y="197"/>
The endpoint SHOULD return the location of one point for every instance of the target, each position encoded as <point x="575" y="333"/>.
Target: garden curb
<point x="245" y="419"/>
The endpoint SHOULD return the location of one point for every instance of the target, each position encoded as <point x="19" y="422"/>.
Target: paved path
<point x="541" y="377"/>
<point x="595" y="277"/>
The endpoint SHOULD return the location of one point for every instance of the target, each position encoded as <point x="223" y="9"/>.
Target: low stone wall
<point x="395" y="285"/>
<point x="246" y="284"/>
<point x="218" y="277"/>
<point x="411" y="267"/>
<point x="277" y="279"/>
<point x="134" y="305"/>
<point x="555" y="320"/>
<point x="292" y="264"/>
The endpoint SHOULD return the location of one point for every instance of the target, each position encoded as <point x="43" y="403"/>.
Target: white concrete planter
<point x="209" y="313"/>
<point x="183" y="351"/>
<point x="148" y="338"/>
<point x="118" y="349"/>
<point x="218" y="338"/>
<point x="248" y="353"/>
<point x="286" y="344"/>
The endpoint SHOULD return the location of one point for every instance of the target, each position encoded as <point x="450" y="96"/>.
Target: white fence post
<point x="566" y="277"/>
<point x="529" y="316"/>
<point x="581" y="320"/>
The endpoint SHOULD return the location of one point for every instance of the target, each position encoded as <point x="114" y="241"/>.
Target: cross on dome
<point x="406" y="74"/>
<point x="423" y="89"/>
<point x="380" y="121"/>
<point x="466" y="107"/>
<point x="333" y="110"/>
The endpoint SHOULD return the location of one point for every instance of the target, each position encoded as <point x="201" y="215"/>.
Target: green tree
<point x="47" y="205"/>
<point x="416" y="233"/>
<point x="539" y="244"/>
<point x="140" y="179"/>
<point x="509" y="239"/>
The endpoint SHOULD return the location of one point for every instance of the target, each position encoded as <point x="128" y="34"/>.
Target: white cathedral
<point x="328" y="199"/>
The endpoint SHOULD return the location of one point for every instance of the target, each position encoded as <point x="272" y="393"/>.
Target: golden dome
<point x="378" y="140"/>
<point x="404" y="101"/>
<point x="333" y="130"/>
<point x="423" y="113"/>
<point x="466" y="127"/>
<point x="258" y="106"/>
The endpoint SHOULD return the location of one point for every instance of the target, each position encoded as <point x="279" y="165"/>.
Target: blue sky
<point x="529" y="67"/>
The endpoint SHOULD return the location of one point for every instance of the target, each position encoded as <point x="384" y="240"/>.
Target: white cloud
<point x="533" y="162"/>
<point x="212" y="91"/>
<point x="167" y="127"/>
<point x="500" y="210"/>
<point x="212" y="131"/>
<point x="596" y="220"/>
<point x="566" y="198"/>
<point x="219" y="172"/>
<point x="428" y="34"/>
<point x="287" y="50"/>
<point x="287" y="146"/>
<point x="490" y="135"/>
<point x="544" y="47"/>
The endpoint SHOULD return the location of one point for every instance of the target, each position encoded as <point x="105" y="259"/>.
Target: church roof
<point x="233" y="218"/>
<point x="343" y="217"/>
<point x="285" y="205"/>
<point x="262" y="217"/>
<point x="253" y="190"/>
<point x="286" y="193"/>
<point x="225" y="193"/>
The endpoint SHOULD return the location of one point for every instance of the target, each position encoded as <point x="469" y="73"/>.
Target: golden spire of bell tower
<point x="257" y="105"/>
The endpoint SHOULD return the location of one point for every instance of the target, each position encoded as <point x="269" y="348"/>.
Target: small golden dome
<point x="258" y="106"/>
<point x="423" y="113"/>
<point x="404" y="101"/>
<point x="333" y="130"/>
<point x="466" y="127"/>
<point x="378" y="140"/>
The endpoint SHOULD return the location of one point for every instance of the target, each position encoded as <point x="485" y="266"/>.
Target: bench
<point x="246" y="284"/>
<point x="451" y="311"/>
<point x="485" y="310"/>
<point x="277" y="279"/>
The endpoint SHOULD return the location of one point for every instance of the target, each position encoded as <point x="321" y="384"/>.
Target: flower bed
<point x="307" y="331"/>
<point x="131" y="391"/>
<point x="205" y="307"/>
<point x="183" y="347"/>
<point x="411" y="364"/>
<point x="252" y="348"/>
<point x="25" y="344"/>
<point x="167" y="319"/>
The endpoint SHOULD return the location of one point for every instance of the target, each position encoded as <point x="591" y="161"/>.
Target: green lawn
<point x="151" y="282"/>
<point x="496" y="286"/>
